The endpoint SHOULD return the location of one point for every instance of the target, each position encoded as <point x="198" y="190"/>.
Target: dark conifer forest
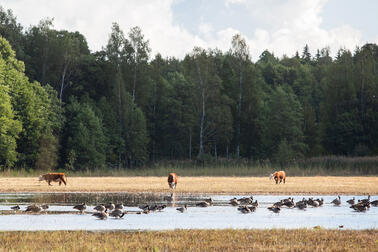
<point x="65" y="107"/>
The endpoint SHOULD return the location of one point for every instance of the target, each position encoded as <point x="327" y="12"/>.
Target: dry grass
<point x="193" y="240"/>
<point x="217" y="185"/>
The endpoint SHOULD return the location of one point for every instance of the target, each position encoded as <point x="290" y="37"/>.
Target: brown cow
<point x="56" y="177"/>
<point x="172" y="180"/>
<point x="278" y="175"/>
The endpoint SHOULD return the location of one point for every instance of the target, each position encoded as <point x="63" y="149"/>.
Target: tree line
<point x="62" y="105"/>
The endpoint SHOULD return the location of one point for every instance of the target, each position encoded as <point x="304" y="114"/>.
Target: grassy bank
<point x="215" y="185"/>
<point x="319" y="166"/>
<point x="193" y="240"/>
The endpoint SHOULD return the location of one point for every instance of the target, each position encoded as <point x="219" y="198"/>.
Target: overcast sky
<point x="174" y="27"/>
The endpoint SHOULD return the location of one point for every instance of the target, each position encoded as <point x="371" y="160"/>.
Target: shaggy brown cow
<point x="172" y="180"/>
<point x="55" y="176"/>
<point x="278" y="175"/>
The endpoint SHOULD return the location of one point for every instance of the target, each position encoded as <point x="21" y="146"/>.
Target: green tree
<point x="86" y="142"/>
<point x="284" y="121"/>
<point x="9" y="127"/>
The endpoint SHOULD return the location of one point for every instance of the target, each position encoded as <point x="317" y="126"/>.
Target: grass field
<point x="215" y="185"/>
<point x="193" y="240"/>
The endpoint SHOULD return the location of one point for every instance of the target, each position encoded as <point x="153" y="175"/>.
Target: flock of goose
<point x="245" y="205"/>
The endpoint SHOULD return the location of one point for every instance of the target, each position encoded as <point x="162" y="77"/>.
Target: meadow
<point x="213" y="185"/>
<point x="193" y="240"/>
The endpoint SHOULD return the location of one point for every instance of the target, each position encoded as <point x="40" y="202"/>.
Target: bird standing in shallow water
<point x="182" y="209"/>
<point x="81" y="207"/>
<point x="117" y="213"/>
<point x="100" y="208"/>
<point x="351" y="201"/>
<point x="274" y="209"/>
<point x="337" y="201"/>
<point x="15" y="208"/>
<point x="101" y="215"/>
<point x="33" y="208"/>
<point x="119" y="206"/>
<point x="110" y="206"/>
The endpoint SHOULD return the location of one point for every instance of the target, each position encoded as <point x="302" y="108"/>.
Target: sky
<point x="175" y="27"/>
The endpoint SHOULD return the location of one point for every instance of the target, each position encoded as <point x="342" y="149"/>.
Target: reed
<point x="317" y="166"/>
<point x="193" y="240"/>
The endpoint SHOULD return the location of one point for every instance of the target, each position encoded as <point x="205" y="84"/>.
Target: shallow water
<point x="220" y="216"/>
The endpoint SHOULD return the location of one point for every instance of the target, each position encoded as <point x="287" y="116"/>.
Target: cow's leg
<point x="60" y="182"/>
<point x="284" y="180"/>
<point x="49" y="182"/>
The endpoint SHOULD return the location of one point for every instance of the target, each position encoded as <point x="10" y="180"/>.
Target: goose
<point x="153" y="208"/>
<point x="161" y="207"/>
<point x="15" y="208"/>
<point x="210" y="201"/>
<point x="244" y="209"/>
<point x="315" y="203"/>
<point x="301" y="205"/>
<point x="234" y="202"/>
<point x="117" y="213"/>
<point x="119" y="206"/>
<point x="252" y="208"/>
<point x="312" y="202"/>
<point x="288" y="200"/>
<point x="144" y="207"/>
<point x="203" y="204"/>
<point x="320" y="201"/>
<point x="359" y="207"/>
<point x="146" y="211"/>
<point x="337" y="201"/>
<point x="351" y="201"/>
<point x="366" y="201"/>
<point x="289" y="203"/>
<point x="274" y="209"/>
<point x="33" y="208"/>
<point x="182" y="209"/>
<point x="101" y="215"/>
<point x="246" y="200"/>
<point x="374" y="203"/>
<point x="110" y="206"/>
<point x="80" y="207"/>
<point x="278" y="203"/>
<point x="100" y="208"/>
<point x="255" y="204"/>
<point x="206" y="203"/>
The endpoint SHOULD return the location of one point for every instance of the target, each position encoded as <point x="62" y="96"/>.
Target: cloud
<point x="282" y="27"/>
<point x="289" y="25"/>
<point x="94" y="19"/>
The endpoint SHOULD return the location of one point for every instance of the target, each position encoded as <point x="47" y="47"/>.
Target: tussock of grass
<point x="215" y="185"/>
<point x="193" y="240"/>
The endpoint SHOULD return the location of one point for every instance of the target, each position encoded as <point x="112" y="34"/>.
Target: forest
<point x="65" y="107"/>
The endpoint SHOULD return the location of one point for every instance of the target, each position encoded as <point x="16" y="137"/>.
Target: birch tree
<point x="240" y="51"/>
<point x="139" y="53"/>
